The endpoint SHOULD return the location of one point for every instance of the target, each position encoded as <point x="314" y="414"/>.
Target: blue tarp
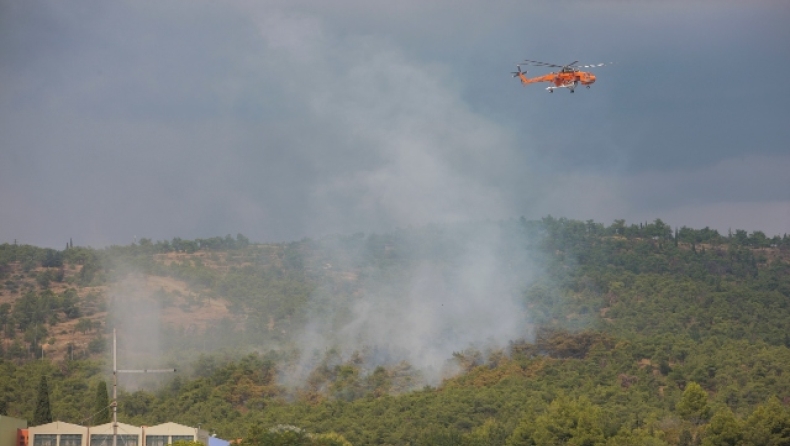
<point x="214" y="441"/>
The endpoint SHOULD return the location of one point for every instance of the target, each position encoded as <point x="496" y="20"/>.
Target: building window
<point x="106" y="440"/>
<point x="183" y="438"/>
<point x="128" y="440"/>
<point x="71" y="440"/>
<point x="101" y="440"/>
<point x="156" y="440"/>
<point x="45" y="440"/>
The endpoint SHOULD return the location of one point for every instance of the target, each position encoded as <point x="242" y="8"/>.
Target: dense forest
<point x="519" y="332"/>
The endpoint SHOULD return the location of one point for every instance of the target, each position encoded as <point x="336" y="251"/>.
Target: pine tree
<point x="43" y="414"/>
<point x="693" y="405"/>
<point x="102" y="405"/>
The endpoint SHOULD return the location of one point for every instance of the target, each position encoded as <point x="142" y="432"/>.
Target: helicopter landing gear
<point x="588" y="87"/>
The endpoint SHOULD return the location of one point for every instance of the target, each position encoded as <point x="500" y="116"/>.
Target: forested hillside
<point x="519" y="332"/>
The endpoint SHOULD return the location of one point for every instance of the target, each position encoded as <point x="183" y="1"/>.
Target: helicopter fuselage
<point x="562" y="79"/>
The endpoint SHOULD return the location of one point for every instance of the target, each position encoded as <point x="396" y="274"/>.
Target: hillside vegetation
<point x="589" y="334"/>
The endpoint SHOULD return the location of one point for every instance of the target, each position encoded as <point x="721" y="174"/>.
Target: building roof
<point x="60" y="427"/>
<point x="123" y="429"/>
<point x="169" y="428"/>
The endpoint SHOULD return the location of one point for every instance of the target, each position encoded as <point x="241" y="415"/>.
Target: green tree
<point x="280" y="435"/>
<point x="101" y="405"/>
<point x="490" y="433"/>
<point x="96" y="345"/>
<point x="693" y="405"/>
<point x="768" y="425"/>
<point x="5" y="318"/>
<point x="724" y="429"/>
<point x="89" y="271"/>
<point x="43" y="413"/>
<point x="442" y="437"/>
<point x="524" y="434"/>
<point x="329" y="439"/>
<point x="84" y="325"/>
<point x="185" y="442"/>
<point x="636" y="437"/>
<point x="565" y="421"/>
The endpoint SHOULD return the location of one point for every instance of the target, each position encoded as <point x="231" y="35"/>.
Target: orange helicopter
<point x="568" y="76"/>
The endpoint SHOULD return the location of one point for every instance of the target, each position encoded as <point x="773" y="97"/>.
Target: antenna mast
<point x="115" y="372"/>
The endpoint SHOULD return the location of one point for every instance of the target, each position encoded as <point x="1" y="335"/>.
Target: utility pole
<point x="115" y="373"/>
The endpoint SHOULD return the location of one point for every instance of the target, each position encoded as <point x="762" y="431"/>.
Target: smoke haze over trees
<point x="444" y="333"/>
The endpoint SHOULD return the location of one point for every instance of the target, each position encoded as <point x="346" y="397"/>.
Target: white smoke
<point x="393" y="145"/>
<point x="135" y="314"/>
<point x="389" y="140"/>
<point x="458" y="289"/>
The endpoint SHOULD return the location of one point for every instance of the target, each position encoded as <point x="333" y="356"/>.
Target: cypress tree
<point x="43" y="414"/>
<point x="102" y="405"/>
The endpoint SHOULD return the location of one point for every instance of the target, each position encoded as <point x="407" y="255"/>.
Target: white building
<point x="101" y="435"/>
<point x="169" y="433"/>
<point x="59" y="433"/>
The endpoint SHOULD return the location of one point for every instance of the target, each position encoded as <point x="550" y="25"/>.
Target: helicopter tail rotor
<point x="519" y="72"/>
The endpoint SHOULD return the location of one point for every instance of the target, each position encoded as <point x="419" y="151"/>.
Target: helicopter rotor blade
<point x="541" y="64"/>
<point x="595" y="65"/>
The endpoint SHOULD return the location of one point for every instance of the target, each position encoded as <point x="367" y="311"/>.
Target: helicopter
<point x="568" y="76"/>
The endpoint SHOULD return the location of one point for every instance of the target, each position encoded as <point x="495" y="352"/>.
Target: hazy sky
<point x="286" y="119"/>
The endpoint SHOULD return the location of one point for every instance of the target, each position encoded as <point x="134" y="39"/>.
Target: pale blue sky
<point x="286" y="119"/>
